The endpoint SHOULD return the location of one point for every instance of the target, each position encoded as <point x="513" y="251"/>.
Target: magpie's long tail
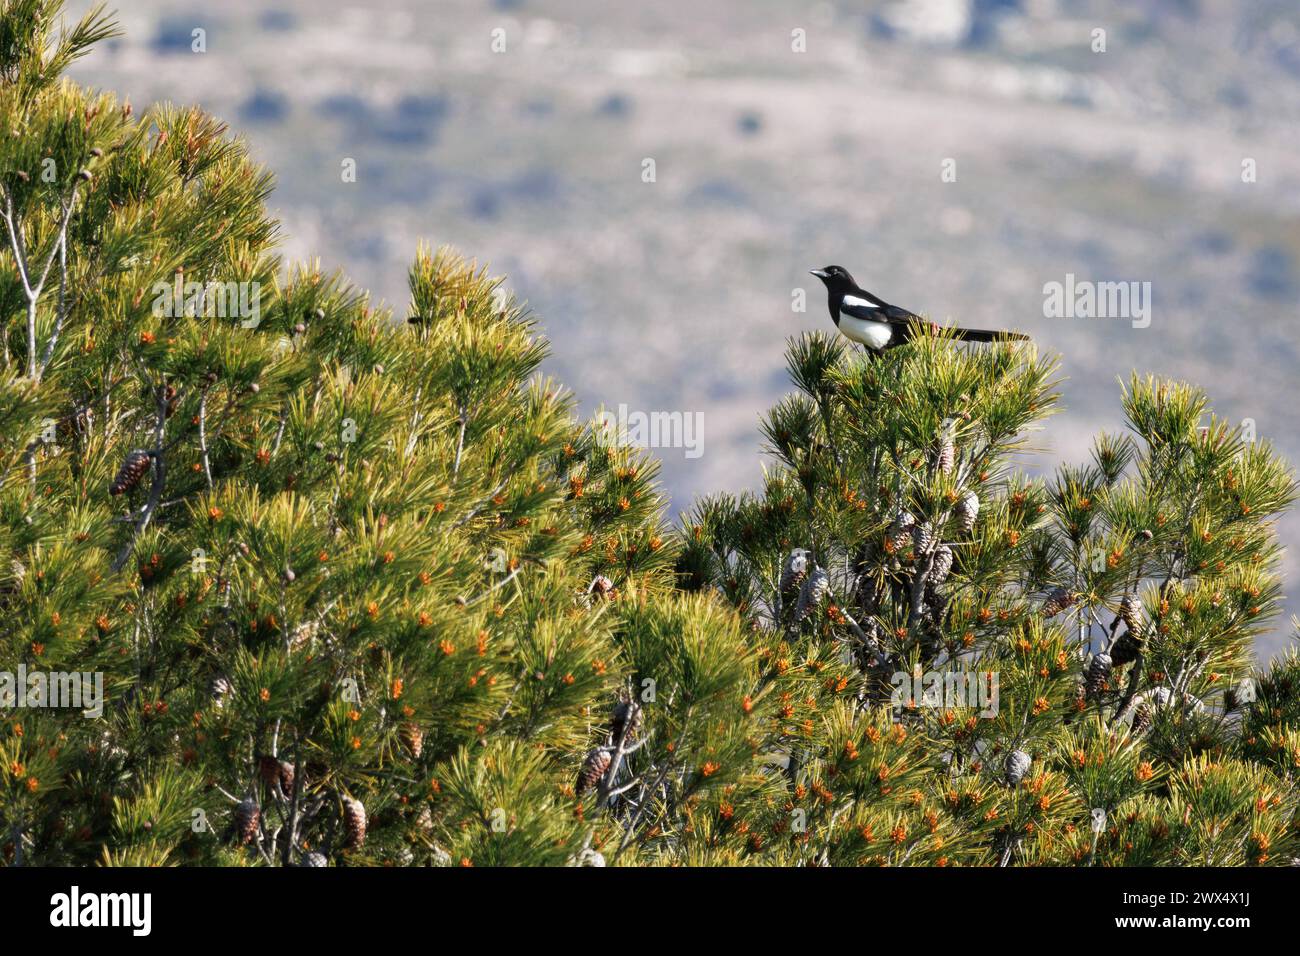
<point x="984" y="335"/>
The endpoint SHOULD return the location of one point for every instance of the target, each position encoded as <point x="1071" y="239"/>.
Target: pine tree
<point x="295" y="534"/>
<point x="1133" y="585"/>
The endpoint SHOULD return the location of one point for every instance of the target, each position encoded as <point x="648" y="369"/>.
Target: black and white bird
<point x="873" y="322"/>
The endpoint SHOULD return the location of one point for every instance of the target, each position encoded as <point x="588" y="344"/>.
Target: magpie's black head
<point x="836" y="278"/>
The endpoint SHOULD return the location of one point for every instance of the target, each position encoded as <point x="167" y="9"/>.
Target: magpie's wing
<point x="864" y="305"/>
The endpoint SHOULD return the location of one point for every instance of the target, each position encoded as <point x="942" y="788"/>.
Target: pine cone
<point x="269" y="770"/>
<point x="900" y="531"/>
<point x="172" y="398"/>
<point x="1057" y="601"/>
<point x="1130" y="609"/>
<point x="412" y="738"/>
<point x="1141" y="719"/>
<point x="593" y="769"/>
<point x="132" y="470"/>
<point x="966" y="511"/>
<point x="1016" y="766"/>
<point x="1147" y="706"/>
<point x="934" y="603"/>
<point x="812" y="593"/>
<point x="1098" y="675"/>
<point x="276" y="774"/>
<point x="923" y="538"/>
<point x="248" y="817"/>
<point x="793" y="572"/>
<point x="625" y="722"/>
<point x="354" y="823"/>
<point x="1126" y="648"/>
<point x="941" y="566"/>
<point x="314" y="859"/>
<point x="945" y="451"/>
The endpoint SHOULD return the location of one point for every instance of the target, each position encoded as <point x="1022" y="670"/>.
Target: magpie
<point x="873" y="322"/>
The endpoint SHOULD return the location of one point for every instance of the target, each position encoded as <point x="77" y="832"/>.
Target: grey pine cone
<point x="812" y="593"/>
<point x="248" y="817"/>
<point x="941" y="566"/>
<point x="966" y="511"/>
<point x="1016" y="766"/>
<point x="900" y="531"/>
<point x="1098" y="675"/>
<point x="923" y="538"/>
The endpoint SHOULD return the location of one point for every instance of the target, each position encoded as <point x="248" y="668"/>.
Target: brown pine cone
<point x="593" y="769"/>
<point x="1130" y="610"/>
<point x="276" y="774"/>
<point x="625" y="722"/>
<point x="412" y="738"/>
<point x="248" y="817"/>
<point x="269" y="770"/>
<point x="354" y="823"/>
<point x="945" y="451"/>
<point x="132" y="470"/>
<point x="1057" y="601"/>
<point x="900" y="532"/>
<point x="1141" y="719"/>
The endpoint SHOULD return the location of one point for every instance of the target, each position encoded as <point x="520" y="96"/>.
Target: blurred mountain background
<point x="677" y="294"/>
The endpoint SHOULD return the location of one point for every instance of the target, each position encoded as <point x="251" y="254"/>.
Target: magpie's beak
<point x="819" y="273"/>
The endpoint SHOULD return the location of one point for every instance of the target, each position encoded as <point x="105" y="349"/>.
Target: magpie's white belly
<point x="874" y="335"/>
